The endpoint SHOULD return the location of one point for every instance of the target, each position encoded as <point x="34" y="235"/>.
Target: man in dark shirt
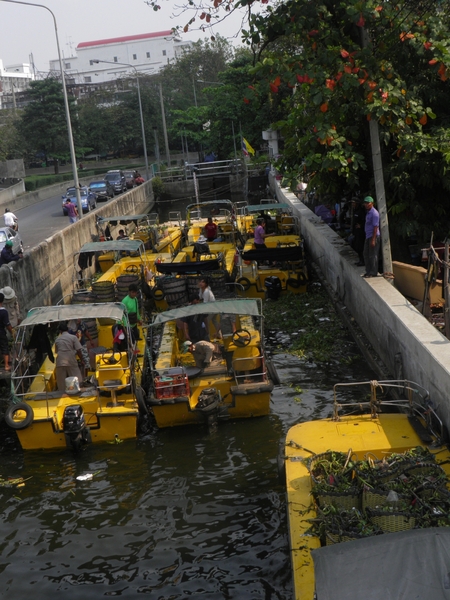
<point x="210" y="230"/>
<point x="7" y="255"/>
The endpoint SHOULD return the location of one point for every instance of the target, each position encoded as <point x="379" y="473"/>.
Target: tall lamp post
<point x="110" y="62"/>
<point x="73" y="157"/>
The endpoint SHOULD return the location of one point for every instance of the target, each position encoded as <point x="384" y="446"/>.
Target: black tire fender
<point x="13" y="409"/>
<point x="245" y="283"/>
<point x="158" y="293"/>
<point x="273" y="373"/>
<point x="140" y="399"/>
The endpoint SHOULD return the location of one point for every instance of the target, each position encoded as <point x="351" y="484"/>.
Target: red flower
<point x="361" y="21"/>
<point x="344" y="54"/>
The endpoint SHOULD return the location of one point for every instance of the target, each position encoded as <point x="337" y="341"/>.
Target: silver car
<point x="6" y="233"/>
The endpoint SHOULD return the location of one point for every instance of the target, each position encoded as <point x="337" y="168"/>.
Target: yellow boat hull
<point x="380" y="436"/>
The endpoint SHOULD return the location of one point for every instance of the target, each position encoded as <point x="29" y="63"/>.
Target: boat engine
<point x="273" y="287"/>
<point x="208" y="404"/>
<point x="76" y="432"/>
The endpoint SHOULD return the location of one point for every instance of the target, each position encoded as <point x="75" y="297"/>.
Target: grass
<point x="319" y="333"/>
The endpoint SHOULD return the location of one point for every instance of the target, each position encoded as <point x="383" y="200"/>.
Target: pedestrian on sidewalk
<point x="372" y="241"/>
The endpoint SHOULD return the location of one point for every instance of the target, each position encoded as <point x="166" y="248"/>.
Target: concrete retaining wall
<point x="8" y="195"/>
<point x="45" y="274"/>
<point x="391" y="323"/>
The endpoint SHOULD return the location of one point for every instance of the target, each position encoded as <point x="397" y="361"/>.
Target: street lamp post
<point x="73" y="157"/>
<point x="110" y="62"/>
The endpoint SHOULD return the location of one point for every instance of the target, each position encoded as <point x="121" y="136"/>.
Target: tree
<point x="10" y="142"/>
<point x="43" y="123"/>
<point x="338" y="80"/>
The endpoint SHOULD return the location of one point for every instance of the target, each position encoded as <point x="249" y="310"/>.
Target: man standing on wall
<point x="372" y="241"/>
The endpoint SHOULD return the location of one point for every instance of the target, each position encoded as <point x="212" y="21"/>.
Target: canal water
<point x="177" y="514"/>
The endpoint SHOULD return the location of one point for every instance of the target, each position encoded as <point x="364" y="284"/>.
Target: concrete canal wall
<point x="45" y="274"/>
<point x="394" y="327"/>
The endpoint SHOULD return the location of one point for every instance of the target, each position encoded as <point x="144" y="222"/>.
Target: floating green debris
<point x="18" y="482"/>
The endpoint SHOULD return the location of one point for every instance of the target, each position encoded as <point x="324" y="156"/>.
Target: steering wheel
<point x="241" y="337"/>
<point x="111" y="357"/>
<point x="132" y="269"/>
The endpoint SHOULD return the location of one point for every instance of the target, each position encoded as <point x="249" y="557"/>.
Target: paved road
<point x="41" y="221"/>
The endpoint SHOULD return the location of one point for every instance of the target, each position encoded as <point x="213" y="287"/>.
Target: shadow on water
<point x="177" y="514"/>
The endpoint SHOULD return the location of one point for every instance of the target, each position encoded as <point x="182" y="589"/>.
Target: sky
<point x="28" y="29"/>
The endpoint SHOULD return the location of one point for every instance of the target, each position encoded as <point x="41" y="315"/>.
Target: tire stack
<point x="192" y="286"/>
<point x="104" y="291"/>
<point x="175" y="291"/>
<point x="83" y="298"/>
<point x="218" y="283"/>
<point x="123" y="282"/>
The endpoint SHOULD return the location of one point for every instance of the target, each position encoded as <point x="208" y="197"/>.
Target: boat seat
<point x="112" y="383"/>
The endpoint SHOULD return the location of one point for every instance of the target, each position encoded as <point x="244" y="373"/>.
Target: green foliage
<point x="43" y="124"/>
<point x="157" y="187"/>
<point x="310" y="319"/>
<point x="10" y="142"/>
<point x="333" y="81"/>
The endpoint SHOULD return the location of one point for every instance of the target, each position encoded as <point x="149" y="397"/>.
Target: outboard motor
<point x="74" y="427"/>
<point x="208" y="404"/>
<point x="273" y="287"/>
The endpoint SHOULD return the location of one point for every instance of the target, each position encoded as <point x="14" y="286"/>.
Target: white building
<point x="14" y="80"/>
<point x="147" y="53"/>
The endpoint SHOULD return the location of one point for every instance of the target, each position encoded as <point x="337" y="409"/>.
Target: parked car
<point x="7" y="233"/>
<point x="117" y="179"/>
<point x="88" y="199"/>
<point x="130" y="179"/>
<point x="102" y="189"/>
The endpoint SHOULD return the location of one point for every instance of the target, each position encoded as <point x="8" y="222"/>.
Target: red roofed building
<point x="146" y="52"/>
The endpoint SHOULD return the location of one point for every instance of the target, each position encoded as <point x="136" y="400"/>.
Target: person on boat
<point x="79" y="328"/>
<point x="67" y="348"/>
<point x="7" y="255"/>
<point x="5" y="326"/>
<point x="120" y="343"/>
<point x="205" y="295"/>
<point x="132" y="306"/>
<point x="210" y="230"/>
<point x="200" y="247"/>
<point x="203" y="352"/>
<point x="372" y="241"/>
<point x="193" y="327"/>
<point x="12" y="305"/>
<point x="122" y="235"/>
<point x="260" y="234"/>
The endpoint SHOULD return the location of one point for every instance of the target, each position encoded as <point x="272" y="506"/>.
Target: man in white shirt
<point x="10" y="219"/>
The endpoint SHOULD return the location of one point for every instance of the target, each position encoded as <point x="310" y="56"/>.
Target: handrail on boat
<point x="417" y="401"/>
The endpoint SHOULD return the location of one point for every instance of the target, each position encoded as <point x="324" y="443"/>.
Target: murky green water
<point x="177" y="514"/>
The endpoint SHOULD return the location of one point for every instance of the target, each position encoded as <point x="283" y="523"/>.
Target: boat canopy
<point x="182" y="268"/>
<point x="121" y="218"/>
<point x="274" y="206"/>
<point x="67" y="312"/>
<point x="204" y="208"/>
<point x="281" y="254"/>
<point x="219" y="307"/>
<point x="125" y="245"/>
<point x="407" y="564"/>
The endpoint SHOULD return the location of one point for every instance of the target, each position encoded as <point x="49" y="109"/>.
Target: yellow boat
<point x="370" y="567"/>
<point x="236" y="385"/>
<point x="109" y="406"/>
<point x="281" y="266"/>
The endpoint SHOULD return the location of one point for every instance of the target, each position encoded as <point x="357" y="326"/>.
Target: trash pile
<point x="360" y="498"/>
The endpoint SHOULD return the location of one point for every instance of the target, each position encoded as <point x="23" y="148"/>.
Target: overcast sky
<point x="28" y="29"/>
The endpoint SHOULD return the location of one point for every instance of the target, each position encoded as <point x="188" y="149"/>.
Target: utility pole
<point x="379" y="182"/>
<point x="163" y="114"/>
